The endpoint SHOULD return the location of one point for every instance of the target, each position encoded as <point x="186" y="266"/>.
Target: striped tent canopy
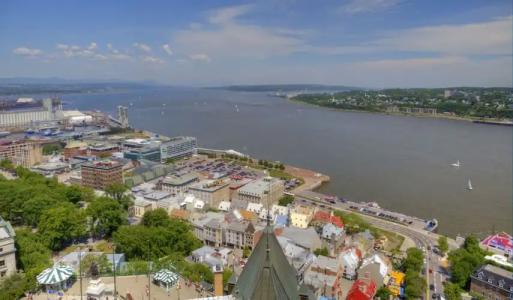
<point x="166" y="276"/>
<point x="55" y="274"/>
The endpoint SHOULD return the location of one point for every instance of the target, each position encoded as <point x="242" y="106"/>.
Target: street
<point x="424" y="240"/>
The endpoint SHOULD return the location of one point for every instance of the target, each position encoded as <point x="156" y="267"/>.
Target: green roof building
<point x="268" y="274"/>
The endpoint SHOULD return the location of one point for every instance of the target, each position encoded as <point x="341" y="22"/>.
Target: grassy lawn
<point x="355" y="223"/>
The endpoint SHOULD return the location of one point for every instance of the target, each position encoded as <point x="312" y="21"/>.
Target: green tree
<point x="107" y="215"/>
<point x="32" y="257"/>
<point x="246" y="252"/>
<point x="117" y="191"/>
<point x="101" y="262"/>
<point x="465" y="260"/>
<point x="61" y="225"/>
<point x="414" y="260"/>
<point x="443" y="245"/>
<point x="383" y="293"/>
<point x="170" y="161"/>
<point x="156" y="218"/>
<point x="415" y="285"/>
<point x="452" y="291"/>
<point x="227" y="274"/>
<point x="34" y="207"/>
<point x="13" y="287"/>
<point x="49" y="149"/>
<point x="286" y="200"/>
<point x="321" y="251"/>
<point x="6" y="165"/>
<point x="142" y="242"/>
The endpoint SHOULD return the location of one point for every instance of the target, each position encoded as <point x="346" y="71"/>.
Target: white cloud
<point x="93" y="46"/>
<point x="167" y="49"/>
<point x="199" y="57"/>
<point x="75" y="51"/>
<point x="120" y="56"/>
<point x="366" y="6"/>
<point x="142" y="47"/>
<point x="226" y="37"/>
<point x="27" y="52"/>
<point x="228" y="14"/>
<point x="112" y="49"/>
<point x="484" y="38"/>
<point x="152" y="60"/>
<point x="100" y="57"/>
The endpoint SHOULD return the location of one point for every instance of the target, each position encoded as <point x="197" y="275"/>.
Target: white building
<point x="7" y="249"/>
<point x="26" y="117"/>
<point x="178" y="147"/>
<point x="266" y="191"/>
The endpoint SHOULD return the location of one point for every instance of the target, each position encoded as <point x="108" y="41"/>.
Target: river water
<point x="401" y="162"/>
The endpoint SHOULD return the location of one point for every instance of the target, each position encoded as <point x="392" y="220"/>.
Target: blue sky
<point x="368" y="43"/>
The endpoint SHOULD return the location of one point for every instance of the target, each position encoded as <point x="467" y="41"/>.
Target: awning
<point x="166" y="276"/>
<point x="55" y="274"/>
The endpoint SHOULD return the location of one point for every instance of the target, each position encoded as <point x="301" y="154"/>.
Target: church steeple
<point x="267" y="274"/>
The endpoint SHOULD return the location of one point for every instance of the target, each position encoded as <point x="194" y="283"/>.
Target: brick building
<point x="492" y="282"/>
<point x="101" y="174"/>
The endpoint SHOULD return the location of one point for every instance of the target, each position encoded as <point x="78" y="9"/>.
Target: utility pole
<point x="114" y="269"/>
<point x="149" y="267"/>
<point x="80" y="270"/>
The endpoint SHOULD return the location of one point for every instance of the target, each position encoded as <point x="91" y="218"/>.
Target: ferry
<point x="431" y="225"/>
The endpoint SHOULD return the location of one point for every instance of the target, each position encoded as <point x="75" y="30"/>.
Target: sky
<point x="365" y="43"/>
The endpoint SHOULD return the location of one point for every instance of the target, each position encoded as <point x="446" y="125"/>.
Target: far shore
<point x="437" y="116"/>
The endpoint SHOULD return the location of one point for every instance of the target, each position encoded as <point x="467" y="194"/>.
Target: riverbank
<point x="487" y="121"/>
<point x="312" y="179"/>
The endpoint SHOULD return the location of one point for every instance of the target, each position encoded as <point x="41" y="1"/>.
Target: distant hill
<point x="286" y="88"/>
<point x="58" y="80"/>
<point x="33" y="86"/>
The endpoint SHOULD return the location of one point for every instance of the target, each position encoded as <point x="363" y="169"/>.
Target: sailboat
<point x="469" y="185"/>
<point x="456" y="164"/>
<point x="236" y="108"/>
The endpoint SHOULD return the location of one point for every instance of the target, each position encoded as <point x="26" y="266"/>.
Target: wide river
<point x="403" y="163"/>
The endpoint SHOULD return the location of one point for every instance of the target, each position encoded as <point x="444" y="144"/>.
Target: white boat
<point x="469" y="185"/>
<point x="236" y="108"/>
<point x="456" y="164"/>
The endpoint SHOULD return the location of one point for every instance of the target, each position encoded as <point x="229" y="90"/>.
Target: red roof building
<point x="325" y="217"/>
<point x="362" y="290"/>
<point x="500" y="242"/>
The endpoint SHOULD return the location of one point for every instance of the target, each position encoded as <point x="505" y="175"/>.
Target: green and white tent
<point x="166" y="277"/>
<point x="55" y="275"/>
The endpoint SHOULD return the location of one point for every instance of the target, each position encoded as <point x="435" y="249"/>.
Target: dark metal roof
<point x="267" y="274"/>
<point x="495" y="276"/>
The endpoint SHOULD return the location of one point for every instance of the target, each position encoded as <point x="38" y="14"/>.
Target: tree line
<point x="49" y="216"/>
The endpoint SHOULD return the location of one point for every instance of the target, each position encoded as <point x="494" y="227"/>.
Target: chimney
<point x="218" y="280"/>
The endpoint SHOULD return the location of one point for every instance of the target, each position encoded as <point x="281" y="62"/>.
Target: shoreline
<point x="487" y="121"/>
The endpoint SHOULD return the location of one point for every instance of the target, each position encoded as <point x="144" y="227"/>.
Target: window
<point x="2" y="263"/>
<point x="480" y="275"/>
<point x="1" y="250"/>
<point x="2" y="274"/>
<point x="501" y="283"/>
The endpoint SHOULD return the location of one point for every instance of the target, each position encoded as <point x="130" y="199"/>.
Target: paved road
<point x="423" y="239"/>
